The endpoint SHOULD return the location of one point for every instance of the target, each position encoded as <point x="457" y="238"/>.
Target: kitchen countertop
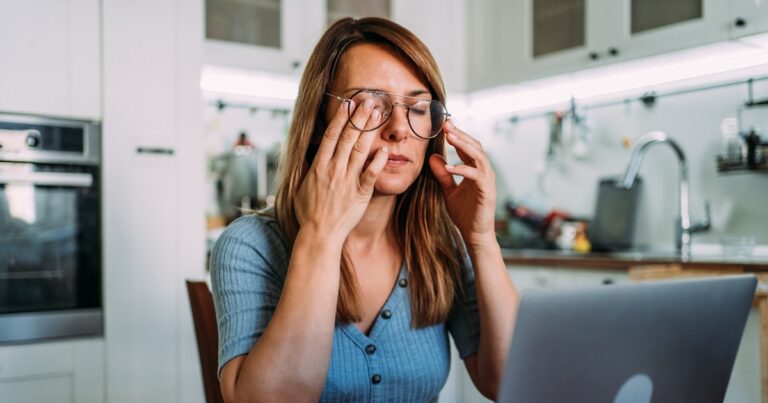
<point x="702" y="257"/>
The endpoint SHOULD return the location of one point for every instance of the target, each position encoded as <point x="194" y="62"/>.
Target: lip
<point x="392" y="158"/>
<point x="398" y="158"/>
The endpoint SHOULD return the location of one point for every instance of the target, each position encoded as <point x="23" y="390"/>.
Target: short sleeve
<point x="464" y="321"/>
<point x="248" y="265"/>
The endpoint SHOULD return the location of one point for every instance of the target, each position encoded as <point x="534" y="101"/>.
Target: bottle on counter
<point x="754" y="153"/>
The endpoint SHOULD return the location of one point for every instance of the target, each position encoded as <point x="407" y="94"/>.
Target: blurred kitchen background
<point x="133" y="132"/>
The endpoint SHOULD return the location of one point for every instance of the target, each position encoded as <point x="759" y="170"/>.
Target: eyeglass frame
<point x="407" y="107"/>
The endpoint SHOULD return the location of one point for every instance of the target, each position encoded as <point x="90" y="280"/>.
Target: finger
<point x="368" y="179"/>
<point x="451" y="128"/>
<point x="350" y="134"/>
<point x="333" y="131"/>
<point x="444" y="178"/>
<point x="465" y="171"/>
<point x="467" y="151"/>
<point x="362" y="148"/>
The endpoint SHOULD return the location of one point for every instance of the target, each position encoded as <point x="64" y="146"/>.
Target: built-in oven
<point x="50" y="229"/>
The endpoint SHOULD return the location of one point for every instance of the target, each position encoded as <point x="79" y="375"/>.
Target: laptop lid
<point x="666" y="341"/>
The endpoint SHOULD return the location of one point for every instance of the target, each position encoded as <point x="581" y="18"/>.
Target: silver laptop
<point x="666" y="341"/>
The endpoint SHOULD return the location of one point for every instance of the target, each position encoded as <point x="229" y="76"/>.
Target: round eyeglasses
<point x="425" y="116"/>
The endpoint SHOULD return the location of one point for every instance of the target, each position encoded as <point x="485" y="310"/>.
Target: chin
<point x="392" y="184"/>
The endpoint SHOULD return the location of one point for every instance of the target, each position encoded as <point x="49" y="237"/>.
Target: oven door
<point x="50" y="251"/>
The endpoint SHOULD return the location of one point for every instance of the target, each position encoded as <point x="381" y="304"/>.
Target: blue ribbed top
<point x="394" y="363"/>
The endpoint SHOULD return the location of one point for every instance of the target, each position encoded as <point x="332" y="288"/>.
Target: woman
<point x="346" y="291"/>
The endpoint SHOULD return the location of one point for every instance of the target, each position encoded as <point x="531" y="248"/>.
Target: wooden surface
<point x="625" y="260"/>
<point x="669" y="271"/>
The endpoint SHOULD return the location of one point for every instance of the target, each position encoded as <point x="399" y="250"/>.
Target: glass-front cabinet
<point x="683" y="24"/>
<point x="267" y="35"/>
<point x="253" y="22"/>
<point x="522" y="40"/>
<point x="748" y="17"/>
<point x="557" y="25"/>
<point x="275" y="35"/>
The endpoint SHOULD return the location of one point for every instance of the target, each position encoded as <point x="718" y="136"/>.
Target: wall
<point x="737" y="200"/>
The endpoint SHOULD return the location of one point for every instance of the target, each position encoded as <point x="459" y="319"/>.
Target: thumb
<point x="444" y="178"/>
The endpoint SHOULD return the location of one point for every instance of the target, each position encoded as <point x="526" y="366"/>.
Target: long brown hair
<point x="430" y="242"/>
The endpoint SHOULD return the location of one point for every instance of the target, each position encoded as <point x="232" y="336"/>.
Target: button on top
<point x="376" y="379"/>
<point x="386" y="314"/>
<point x="403" y="282"/>
<point x="370" y="349"/>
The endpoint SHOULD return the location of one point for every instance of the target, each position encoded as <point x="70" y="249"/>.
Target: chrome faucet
<point x="683" y="227"/>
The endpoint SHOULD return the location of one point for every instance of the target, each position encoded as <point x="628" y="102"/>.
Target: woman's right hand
<point x="336" y="190"/>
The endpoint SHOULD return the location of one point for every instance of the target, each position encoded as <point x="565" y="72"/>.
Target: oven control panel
<point x="38" y="139"/>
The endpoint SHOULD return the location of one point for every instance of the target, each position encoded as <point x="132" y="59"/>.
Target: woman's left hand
<point x="472" y="203"/>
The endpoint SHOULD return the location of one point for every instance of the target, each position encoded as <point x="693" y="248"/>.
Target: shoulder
<point x="249" y="239"/>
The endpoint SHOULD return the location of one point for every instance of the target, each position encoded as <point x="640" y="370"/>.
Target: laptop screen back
<point x="674" y="340"/>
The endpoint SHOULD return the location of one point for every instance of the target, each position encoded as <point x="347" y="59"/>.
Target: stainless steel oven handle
<point x="48" y="178"/>
<point x="28" y="132"/>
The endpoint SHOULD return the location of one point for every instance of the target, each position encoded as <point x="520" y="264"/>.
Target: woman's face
<point x="369" y="66"/>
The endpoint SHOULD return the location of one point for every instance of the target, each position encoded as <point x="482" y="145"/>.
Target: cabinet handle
<point x="607" y="281"/>
<point x="154" y="150"/>
<point x="296" y="64"/>
<point x="613" y="52"/>
<point x="740" y="22"/>
<point x="594" y="55"/>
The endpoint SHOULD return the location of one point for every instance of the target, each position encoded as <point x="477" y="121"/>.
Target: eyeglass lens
<point x="425" y="117"/>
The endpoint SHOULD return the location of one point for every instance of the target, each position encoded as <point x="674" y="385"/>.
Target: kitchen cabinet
<point x="280" y="42"/>
<point x="60" y="371"/>
<point x="511" y="42"/>
<point x="154" y="216"/>
<point x="51" y="58"/>
<point x="748" y="17"/>
<point x="441" y="25"/>
<point x="298" y="25"/>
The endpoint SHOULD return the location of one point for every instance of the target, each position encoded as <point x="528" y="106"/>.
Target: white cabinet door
<point x="153" y="181"/>
<point x="495" y="42"/>
<point x="50" y="389"/>
<point x="50" y="57"/>
<point x="687" y="23"/>
<point x="515" y="41"/>
<point x="446" y="40"/>
<point x="561" y="36"/>
<point x="748" y="17"/>
<point x="298" y="26"/>
<point x="54" y="371"/>
<point x="141" y="281"/>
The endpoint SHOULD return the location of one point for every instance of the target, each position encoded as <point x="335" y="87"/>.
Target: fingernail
<point x="450" y="124"/>
<point x="385" y="149"/>
<point x="448" y="167"/>
<point x="368" y="104"/>
<point x="452" y="136"/>
<point x="376" y="115"/>
<point x="349" y="104"/>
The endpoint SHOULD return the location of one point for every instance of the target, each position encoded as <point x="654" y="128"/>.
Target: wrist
<point x="319" y="239"/>
<point x="478" y="242"/>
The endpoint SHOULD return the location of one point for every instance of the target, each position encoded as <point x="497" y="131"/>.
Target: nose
<point x="397" y="128"/>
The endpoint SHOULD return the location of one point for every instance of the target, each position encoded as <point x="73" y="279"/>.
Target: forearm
<point x="290" y="360"/>
<point x="497" y="302"/>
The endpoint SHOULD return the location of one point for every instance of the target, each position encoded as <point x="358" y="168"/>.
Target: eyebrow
<point x="410" y="94"/>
